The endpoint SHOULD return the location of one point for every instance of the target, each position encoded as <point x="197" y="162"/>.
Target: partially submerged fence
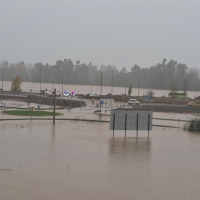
<point x="94" y="120"/>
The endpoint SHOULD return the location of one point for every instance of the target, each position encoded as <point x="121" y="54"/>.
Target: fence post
<point x="137" y="124"/>
<point x="125" y="124"/>
<point x="54" y="105"/>
<point x="148" y="124"/>
<point x="113" y="124"/>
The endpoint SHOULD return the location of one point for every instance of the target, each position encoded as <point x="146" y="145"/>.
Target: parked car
<point x="73" y="93"/>
<point x="193" y="104"/>
<point x="93" y="95"/>
<point x="133" y="102"/>
<point x="88" y="94"/>
<point x="66" y="94"/>
<point x="49" y="94"/>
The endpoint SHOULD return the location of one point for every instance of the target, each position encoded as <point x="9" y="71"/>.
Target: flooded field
<point x="80" y="160"/>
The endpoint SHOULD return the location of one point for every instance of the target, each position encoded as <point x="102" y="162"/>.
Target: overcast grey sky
<point x="120" y="32"/>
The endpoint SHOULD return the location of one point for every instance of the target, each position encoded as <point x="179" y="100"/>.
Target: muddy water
<point x="84" y="89"/>
<point x="76" y="160"/>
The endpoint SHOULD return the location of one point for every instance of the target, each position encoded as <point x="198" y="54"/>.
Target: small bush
<point x="193" y="125"/>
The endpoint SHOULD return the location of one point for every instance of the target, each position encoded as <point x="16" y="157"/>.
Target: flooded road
<point x="80" y="160"/>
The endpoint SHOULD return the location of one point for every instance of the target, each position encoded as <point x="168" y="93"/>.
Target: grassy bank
<point x="28" y="113"/>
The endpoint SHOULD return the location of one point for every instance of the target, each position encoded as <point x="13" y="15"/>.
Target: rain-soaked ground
<point x="81" y="160"/>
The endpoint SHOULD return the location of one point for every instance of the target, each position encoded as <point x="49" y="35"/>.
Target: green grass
<point x="28" y="113"/>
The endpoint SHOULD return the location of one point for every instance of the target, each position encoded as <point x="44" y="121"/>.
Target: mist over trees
<point x="162" y="75"/>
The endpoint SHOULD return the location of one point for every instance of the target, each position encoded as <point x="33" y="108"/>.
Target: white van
<point x="133" y="102"/>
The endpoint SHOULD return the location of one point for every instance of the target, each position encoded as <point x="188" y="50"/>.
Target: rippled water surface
<point x="76" y="160"/>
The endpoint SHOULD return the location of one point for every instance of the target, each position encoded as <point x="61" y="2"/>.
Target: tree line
<point x="165" y="75"/>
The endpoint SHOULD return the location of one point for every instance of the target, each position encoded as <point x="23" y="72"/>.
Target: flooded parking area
<point x="81" y="160"/>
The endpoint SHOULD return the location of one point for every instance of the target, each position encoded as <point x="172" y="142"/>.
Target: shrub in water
<point x="197" y="125"/>
<point x="193" y="125"/>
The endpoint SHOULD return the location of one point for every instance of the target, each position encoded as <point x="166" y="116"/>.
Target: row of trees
<point x="164" y="75"/>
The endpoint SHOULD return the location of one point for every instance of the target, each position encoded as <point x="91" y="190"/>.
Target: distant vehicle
<point x="66" y="94"/>
<point x="193" y="104"/>
<point x="88" y="94"/>
<point x="73" y="94"/>
<point x="93" y="95"/>
<point x="49" y="94"/>
<point x="133" y="102"/>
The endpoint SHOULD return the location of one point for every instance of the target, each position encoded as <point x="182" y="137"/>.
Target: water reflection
<point x="53" y="134"/>
<point x="131" y="150"/>
<point x="129" y="160"/>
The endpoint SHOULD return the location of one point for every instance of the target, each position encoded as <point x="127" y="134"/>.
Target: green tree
<point x="36" y="72"/>
<point x="130" y="90"/>
<point x="16" y="84"/>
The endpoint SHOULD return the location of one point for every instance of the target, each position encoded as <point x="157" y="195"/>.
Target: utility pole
<point x="101" y="79"/>
<point x="4" y="64"/>
<point x="2" y="84"/>
<point x="125" y="87"/>
<point x="101" y="91"/>
<point x="62" y="79"/>
<point x="112" y="82"/>
<point x="132" y="77"/>
<point x="91" y="79"/>
<point x="53" y="77"/>
<point x="54" y="104"/>
<point x="139" y="83"/>
<point x="40" y="78"/>
<point x="125" y="82"/>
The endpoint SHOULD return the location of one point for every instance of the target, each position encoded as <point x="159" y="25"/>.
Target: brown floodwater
<point x="84" y="89"/>
<point x="80" y="160"/>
